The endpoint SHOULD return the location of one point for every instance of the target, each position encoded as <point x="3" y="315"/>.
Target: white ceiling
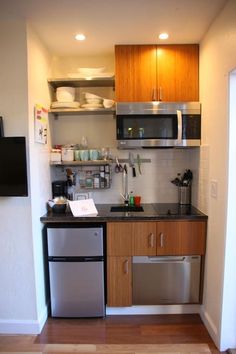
<point x="109" y="22"/>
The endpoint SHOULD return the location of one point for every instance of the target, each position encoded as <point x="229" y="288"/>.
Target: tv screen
<point x="13" y="168"/>
<point x="1" y="127"/>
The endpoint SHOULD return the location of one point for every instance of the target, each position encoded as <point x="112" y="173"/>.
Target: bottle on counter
<point x="131" y="199"/>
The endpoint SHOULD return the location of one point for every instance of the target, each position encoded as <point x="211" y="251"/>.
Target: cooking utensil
<point x="187" y="178"/>
<point x="118" y="167"/>
<point x="139" y="164"/>
<point x="131" y="163"/>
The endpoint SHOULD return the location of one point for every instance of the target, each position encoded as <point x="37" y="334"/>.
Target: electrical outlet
<point x="214" y="187"/>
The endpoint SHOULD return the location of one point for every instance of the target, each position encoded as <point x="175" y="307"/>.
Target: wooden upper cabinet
<point x="119" y="238"/>
<point x="144" y="239"/>
<point x="178" y="72"/>
<point x="162" y="73"/>
<point x="181" y="238"/>
<point x="135" y="73"/>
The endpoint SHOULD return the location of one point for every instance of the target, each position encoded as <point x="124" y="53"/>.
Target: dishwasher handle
<point x="166" y="259"/>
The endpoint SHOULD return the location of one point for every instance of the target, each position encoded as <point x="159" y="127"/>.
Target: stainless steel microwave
<point x="158" y="124"/>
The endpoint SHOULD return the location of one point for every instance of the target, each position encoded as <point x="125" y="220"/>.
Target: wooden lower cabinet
<point x="144" y="239"/>
<point x="119" y="238"/>
<point x="119" y="281"/>
<point x="119" y="263"/>
<point x="181" y="238"/>
<point x="148" y="238"/>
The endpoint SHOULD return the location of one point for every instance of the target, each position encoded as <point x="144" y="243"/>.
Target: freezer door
<point x="77" y="289"/>
<point x="75" y="242"/>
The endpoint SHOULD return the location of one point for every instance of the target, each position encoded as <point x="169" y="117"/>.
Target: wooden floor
<point x="117" y="334"/>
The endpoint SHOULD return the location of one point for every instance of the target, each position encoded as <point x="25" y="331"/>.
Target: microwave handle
<point x="180" y="127"/>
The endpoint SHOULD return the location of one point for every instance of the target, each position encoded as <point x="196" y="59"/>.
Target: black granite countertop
<point x="155" y="211"/>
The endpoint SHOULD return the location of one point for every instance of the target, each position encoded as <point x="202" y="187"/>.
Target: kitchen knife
<point x="139" y="164"/>
<point x="131" y="163"/>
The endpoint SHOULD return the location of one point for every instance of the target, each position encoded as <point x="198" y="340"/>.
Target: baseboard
<point x="23" y="326"/>
<point x="153" y="310"/>
<point x="212" y="329"/>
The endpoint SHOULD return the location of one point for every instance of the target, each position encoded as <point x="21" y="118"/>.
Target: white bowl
<point x="65" y="94"/>
<point x="91" y="71"/>
<point x="107" y="103"/>
<point x="91" y="95"/>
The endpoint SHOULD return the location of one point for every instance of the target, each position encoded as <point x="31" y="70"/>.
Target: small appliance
<point x="158" y="124"/>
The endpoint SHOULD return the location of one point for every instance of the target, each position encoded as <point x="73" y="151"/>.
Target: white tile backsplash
<point x="154" y="183"/>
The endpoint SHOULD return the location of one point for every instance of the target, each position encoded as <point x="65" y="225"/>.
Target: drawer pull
<point x="151" y="240"/>
<point x="154" y="94"/>
<point x="160" y="94"/>
<point x="161" y="239"/>
<point x="126" y="266"/>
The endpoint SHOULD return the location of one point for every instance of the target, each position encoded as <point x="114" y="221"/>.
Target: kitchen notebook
<point x="85" y="207"/>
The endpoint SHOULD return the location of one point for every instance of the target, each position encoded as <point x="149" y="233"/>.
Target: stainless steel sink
<point x="124" y="208"/>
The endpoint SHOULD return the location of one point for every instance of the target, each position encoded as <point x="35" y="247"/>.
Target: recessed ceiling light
<point x="163" y="35"/>
<point x="80" y="37"/>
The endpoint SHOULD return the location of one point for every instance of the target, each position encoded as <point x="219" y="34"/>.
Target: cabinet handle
<point x="161" y="239"/>
<point x="151" y="240"/>
<point x="160" y="93"/>
<point x="154" y="94"/>
<point x="126" y="266"/>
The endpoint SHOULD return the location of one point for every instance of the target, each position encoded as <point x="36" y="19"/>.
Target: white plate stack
<point x="92" y="101"/>
<point x="65" y="98"/>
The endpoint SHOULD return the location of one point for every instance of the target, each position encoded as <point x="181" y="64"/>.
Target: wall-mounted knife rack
<point x="135" y="160"/>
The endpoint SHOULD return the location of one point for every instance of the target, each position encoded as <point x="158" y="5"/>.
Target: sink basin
<point x="124" y="208"/>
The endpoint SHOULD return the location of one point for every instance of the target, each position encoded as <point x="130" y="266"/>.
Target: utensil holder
<point x="184" y="195"/>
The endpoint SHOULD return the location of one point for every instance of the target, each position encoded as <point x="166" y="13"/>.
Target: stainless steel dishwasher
<point x="76" y="271"/>
<point x="166" y="280"/>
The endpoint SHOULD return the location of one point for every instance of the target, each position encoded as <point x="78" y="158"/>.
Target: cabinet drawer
<point x="181" y="238"/>
<point x="119" y="239"/>
<point x="144" y="238"/>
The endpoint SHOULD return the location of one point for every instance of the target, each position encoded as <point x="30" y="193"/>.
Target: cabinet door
<point x="135" y="73"/>
<point x="178" y="72"/>
<point x="119" y="281"/>
<point x="119" y="238"/>
<point x="181" y="238"/>
<point x="144" y="239"/>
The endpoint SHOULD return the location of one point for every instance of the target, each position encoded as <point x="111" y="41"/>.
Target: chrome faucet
<point x="125" y="194"/>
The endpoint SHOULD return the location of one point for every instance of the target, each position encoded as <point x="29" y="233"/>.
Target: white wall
<point x="228" y="337"/>
<point x="17" y="295"/>
<point x="39" y="61"/>
<point x="24" y="68"/>
<point x="217" y="59"/>
<point x="62" y="66"/>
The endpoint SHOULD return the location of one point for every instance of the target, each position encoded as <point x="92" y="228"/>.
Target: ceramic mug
<point x="84" y="155"/>
<point x="93" y="154"/>
<point x="77" y="155"/>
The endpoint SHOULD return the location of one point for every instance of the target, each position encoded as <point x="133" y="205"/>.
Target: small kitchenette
<point x="141" y="146"/>
<point x="81" y="157"/>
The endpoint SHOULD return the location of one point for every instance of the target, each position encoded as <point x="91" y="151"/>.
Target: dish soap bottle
<point x="131" y="199"/>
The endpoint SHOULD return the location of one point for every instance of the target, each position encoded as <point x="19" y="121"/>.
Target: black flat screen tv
<point x="13" y="167"/>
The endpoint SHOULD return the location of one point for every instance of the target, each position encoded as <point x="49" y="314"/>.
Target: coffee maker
<point x="59" y="189"/>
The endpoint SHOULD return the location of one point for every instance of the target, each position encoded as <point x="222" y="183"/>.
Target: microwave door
<point x="150" y="130"/>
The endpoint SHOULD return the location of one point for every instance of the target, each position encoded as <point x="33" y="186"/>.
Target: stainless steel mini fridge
<point x="76" y="271"/>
